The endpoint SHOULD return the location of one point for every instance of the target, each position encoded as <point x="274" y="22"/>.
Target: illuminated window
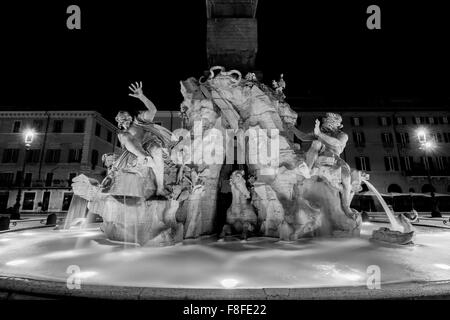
<point x="28" y="200"/>
<point x="66" y="201"/>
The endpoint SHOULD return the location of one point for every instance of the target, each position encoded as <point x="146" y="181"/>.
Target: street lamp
<point x="28" y="137"/>
<point x="428" y="146"/>
<point x="422" y="136"/>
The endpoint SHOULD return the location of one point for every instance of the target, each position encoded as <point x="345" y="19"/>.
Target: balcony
<point x="56" y="183"/>
<point x="424" y="173"/>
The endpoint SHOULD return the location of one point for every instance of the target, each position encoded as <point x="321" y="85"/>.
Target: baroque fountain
<point x="284" y="192"/>
<point x="289" y="225"/>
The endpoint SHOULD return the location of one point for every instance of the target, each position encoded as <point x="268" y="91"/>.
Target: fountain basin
<point x="38" y="261"/>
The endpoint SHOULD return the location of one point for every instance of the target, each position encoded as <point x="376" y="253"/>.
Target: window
<point x="45" y="200"/>
<point x="10" y="155"/>
<point x="418" y="120"/>
<point x="446" y="137"/>
<point x="356" y="121"/>
<point x="109" y="136"/>
<point x="94" y="158"/>
<point x="400" y="120"/>
<point x="441" y="163"/>
<point x="79" y="126"/>
<point x="98" y="129"/>
<point x="6" y="179"/>
<point x="18" y="178"/>
<point x="16" y="127"/>
<point x="4" y="196"/>
<point x="71" y="176"/>
<point x="443" y="120"/>
<point x="391" y="163"/>
<point x="37" y="125"/>
<point x="28" y="200"/>
<point x="431" y="120"/>
<point x="435" y="137"/>
<point x="33" y="155"/>
<point x="384" y="121"/>
<point x="27" y="180"/>
<point x="362" y="163"/>
<point x="49" y="179"/>
<point x="405" y="163"/>
<point x="359" y="139"/>
<point x="75" y="155"/>
<point x="403" y="138"/>
<point x="427" y="163"/>
<point x="57" y="126"/>
<point x="66" y="201"/>
<point x="52" y="155"/>
<point x="387" y="140"/>
<point x="439" y="137"/>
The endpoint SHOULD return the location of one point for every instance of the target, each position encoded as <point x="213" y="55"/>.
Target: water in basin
<point x="206" y="263"/>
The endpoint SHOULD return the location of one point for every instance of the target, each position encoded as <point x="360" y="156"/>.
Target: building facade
<point x="386" y="145"/>
<point x="65" y="144"/>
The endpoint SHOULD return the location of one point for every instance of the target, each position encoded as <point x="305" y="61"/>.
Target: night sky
<point x="323" y="48"/>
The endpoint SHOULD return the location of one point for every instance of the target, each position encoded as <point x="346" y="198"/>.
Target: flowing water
<point x="76" y="215"/>
<point x="394" y="223"/>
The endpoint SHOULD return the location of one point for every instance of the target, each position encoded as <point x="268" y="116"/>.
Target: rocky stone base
<point x="394" y="237"/>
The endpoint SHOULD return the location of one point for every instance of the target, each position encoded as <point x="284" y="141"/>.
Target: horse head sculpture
<point x="238" y="182"/>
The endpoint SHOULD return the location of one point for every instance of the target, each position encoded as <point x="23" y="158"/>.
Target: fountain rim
<point x="12" y="287"/>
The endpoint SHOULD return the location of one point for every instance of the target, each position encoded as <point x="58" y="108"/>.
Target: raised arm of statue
<point x="137" y="92"/>
<point x="300" y="134"/>
<point x="337" y="143"/>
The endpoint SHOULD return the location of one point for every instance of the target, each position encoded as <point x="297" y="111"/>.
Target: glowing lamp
<point x="28" y="137"/>
<point x="422" y="135"/>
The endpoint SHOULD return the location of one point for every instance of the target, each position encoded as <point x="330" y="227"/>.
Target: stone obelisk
<point x="232" y="36"/>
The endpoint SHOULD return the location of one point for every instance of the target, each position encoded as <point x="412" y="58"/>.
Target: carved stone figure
<point x="279" y="87"/>
<point x="241" y="217"/>
<point x="323" y="157"/>
<point x="270" y="210"/>
<point x="144" y="140"/>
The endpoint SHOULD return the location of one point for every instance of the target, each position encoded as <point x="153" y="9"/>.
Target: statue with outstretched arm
<point x="328" y="142"/>
<point x="135" y="133"/>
